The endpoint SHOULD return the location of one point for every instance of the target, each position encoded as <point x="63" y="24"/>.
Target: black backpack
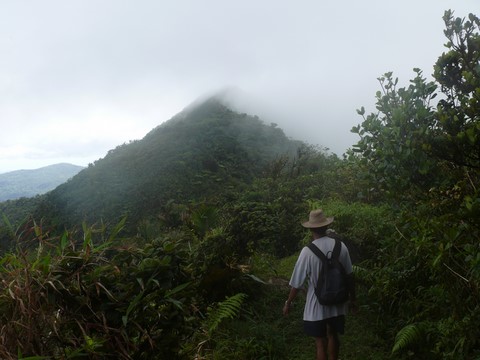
<point x="332" y="285"/>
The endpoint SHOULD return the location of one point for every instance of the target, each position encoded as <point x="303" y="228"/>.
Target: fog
<point x="78" y="78"/>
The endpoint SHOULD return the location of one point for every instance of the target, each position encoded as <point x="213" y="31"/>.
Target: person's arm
<point x="299" y="274"/>
<point x="347" y="264"/>
<point x="286" y="307"/>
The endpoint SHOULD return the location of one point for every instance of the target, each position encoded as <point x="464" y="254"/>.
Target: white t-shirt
<point x="307" y="268"/>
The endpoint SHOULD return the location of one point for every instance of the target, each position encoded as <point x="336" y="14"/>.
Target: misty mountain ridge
<point x="27" y="183"/>
<point x="200" y="154"/>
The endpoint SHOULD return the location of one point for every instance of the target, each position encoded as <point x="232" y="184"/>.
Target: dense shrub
<point x="69" y="301"/>
<point x="363" y="226"/>
<point x="425" y="160"/>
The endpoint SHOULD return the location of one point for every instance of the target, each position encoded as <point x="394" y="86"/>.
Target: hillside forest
<point x="180" y="245"/>
<point x="28" y="183"/>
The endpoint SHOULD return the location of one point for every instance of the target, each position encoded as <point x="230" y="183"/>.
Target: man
<point x="322" y="322"/>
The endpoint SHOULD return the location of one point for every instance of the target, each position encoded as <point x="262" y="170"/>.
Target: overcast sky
<point x="79" y="77"/>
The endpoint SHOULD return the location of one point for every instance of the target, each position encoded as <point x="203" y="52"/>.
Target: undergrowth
<point x="262" y="332"/>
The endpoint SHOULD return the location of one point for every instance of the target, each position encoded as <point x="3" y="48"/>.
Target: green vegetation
<point x="425" y="159"/>
<point x="199" y="266"/>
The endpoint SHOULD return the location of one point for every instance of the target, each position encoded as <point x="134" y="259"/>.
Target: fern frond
<point x="227" y="309"/>
<point x="407" y="337"/>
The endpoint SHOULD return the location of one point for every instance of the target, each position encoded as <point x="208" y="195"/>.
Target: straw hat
<point x="317" y="219"/>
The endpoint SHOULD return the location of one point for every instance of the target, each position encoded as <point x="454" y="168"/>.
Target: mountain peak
<point x="201" y="153"/>
<point x="232" y="98"/>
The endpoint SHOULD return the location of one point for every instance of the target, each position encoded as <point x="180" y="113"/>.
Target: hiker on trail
<point x="323" y="322"/>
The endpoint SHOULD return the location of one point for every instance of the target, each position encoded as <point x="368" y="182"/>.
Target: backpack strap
<point x="336" y="249"/>
<point x="335" y="253"/>
<point x="317" y="252"/>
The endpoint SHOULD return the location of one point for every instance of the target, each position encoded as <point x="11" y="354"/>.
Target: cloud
<point x="81" y="77"/>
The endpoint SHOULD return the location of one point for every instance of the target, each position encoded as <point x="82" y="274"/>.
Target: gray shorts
<point x="319" y="328"/>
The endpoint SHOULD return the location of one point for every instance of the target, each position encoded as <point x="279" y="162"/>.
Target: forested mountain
<point x="223" y="195"/>
<point x="201" y="153"/>
<point x="28" y="183"/>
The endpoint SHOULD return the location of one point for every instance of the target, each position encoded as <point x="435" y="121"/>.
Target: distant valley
<point x="28" y="183"/>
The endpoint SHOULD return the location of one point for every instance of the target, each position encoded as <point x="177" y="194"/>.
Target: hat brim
<point x="314" y="225"/>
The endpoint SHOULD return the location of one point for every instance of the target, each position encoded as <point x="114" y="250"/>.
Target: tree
<point x="457" y="121"/>
<point x="426" y="158"/>
<point x="392" y="141"/>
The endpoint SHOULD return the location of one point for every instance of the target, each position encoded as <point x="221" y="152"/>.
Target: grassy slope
<point x="264" y="333"/>
<point x="359" y="342"/>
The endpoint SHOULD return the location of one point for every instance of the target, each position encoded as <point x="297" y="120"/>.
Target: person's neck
<point x="319" y="235"/>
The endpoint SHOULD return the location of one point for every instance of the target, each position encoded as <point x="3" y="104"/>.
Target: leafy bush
<point x="64" y="301"/>
<point x="426" y="161"/>
<point x="364" y="227"/>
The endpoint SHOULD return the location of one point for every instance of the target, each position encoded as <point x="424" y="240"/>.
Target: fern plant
<point x="409" y="336"/>
<point x="227" y="309"/>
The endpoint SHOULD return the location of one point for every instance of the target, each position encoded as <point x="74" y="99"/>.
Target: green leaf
<point x="8" y="224"/>
<point x="407" y="337"/>
<point x="64" y="241"/>
<point x="116" y="230"/>
<point x="131" y="306"/>
<point x="257" y="279"/>
<point x="229" y="308"/>
<point x="177" y="289"/>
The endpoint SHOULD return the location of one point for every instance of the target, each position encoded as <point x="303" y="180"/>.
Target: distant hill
<point x="28" y="183"/>
<point x="202" y="153"/>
